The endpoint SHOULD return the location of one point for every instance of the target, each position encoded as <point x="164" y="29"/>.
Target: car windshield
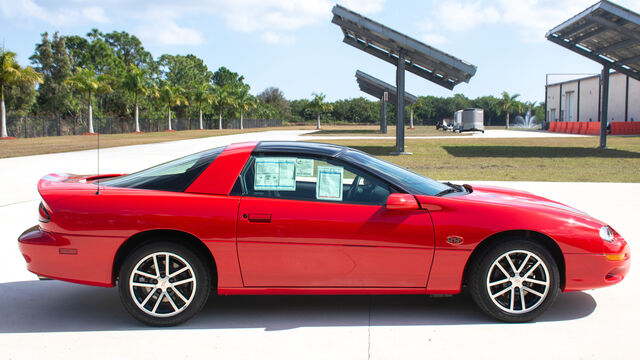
<point x="408" y="180"/>
<point x="174" y="175"/>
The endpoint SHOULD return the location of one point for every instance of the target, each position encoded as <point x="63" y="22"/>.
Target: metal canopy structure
<point x="608" y="34"/>
<point x="403" y="52"/>
<point x="377" y="88"/>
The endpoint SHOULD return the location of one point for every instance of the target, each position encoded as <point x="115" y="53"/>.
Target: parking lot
<point x="59" y="320"/>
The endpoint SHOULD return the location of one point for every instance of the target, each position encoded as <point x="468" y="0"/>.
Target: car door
<point x="326" y="225"/>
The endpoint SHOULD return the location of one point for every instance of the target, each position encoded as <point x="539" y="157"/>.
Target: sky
<point x="292" y="44"/>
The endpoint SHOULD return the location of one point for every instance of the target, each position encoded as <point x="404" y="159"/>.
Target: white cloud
<point x="530" y="18"/>
<point x="275" y="21"/>
<point x="169" y="33"/>
<point x="278" y="39"/>
<point x="534" y="18"/>
<point x="433" y="39"/>
<point x="95" y="14"/>
<point x="363" y="6"/>
<point x="463" y="16"/>
<point x="13" y="9"/>
<point x="60" y="16"/>
<point x="252" y="15"/>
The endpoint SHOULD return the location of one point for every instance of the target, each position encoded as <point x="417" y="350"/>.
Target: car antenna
<point x="98" y="174"/>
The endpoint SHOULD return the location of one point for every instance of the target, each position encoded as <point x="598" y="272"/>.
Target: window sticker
<point x="275" y="174"/>
<point x="304" y="167"/>
<point x="329" y="185"/>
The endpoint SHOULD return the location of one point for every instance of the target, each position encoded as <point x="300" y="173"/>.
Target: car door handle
<point x="260" y="218"/>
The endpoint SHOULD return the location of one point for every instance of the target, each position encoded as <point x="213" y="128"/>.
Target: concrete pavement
<point x="67" y="321"/>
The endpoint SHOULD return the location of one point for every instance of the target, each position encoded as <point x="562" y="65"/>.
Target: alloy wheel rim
<point x="518" y="281"/>
<point x="162" y="284"/>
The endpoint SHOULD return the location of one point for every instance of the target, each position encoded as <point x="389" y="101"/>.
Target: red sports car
<point x="309" y="218"/>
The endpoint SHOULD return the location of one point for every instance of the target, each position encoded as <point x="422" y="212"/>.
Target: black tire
<point x="527" y="304"/>
<point x="172" y="308"/>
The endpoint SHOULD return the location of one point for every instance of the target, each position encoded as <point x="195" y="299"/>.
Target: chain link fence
<point x="38" y="126"/>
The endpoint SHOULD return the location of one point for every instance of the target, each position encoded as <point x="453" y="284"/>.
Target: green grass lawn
<point x="57" y="144"/>
<point x="523" y="159"/>
<point x="536" y="159"/>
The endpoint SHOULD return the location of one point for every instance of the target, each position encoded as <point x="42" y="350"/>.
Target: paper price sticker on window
<point x="304" y="167"/>
<point x="329" y="184"/>
<point x="275" y="174"/>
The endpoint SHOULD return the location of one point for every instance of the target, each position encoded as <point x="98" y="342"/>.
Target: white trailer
<point x="469" y="120"/>
<point x="473" y="120"/>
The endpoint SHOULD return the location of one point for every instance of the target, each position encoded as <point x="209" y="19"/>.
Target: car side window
<point x="310" y="178"/>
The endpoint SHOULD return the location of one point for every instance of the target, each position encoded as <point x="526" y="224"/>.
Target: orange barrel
<point x="617" y="128"/>
<point x="583" y="127"/>
<point x="575" y="127"/>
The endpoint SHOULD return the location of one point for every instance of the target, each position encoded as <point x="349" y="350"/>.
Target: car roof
<point x="299" y="147"/>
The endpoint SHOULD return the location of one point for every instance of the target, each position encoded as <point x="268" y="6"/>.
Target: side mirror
<point x="402" y="202"/>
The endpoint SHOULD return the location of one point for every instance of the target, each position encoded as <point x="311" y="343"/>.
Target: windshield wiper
<point x="455" y="186"/>
<point x="446" y="191"/>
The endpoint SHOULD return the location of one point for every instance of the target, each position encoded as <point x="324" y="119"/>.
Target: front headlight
<point x="606" y="233"/>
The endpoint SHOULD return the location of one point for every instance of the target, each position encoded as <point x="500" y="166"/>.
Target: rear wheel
<point x="515" y="281"/>
<point x="163" y="284"/>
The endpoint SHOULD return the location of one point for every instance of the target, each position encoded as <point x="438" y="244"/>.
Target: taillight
<point x="44" y="214"/>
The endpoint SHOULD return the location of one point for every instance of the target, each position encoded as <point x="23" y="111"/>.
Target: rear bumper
<point x="69" y="258"/>
<point x="591" y="271"/>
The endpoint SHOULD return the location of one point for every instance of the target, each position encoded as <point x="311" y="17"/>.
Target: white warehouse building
<point x="579" y="99"/>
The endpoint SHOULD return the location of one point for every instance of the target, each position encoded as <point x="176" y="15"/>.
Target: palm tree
<point x="12" y="74"/>
<point x="530" y="105"/>
<point x="412" y="107"/>
<point x="507" y="104"/>
<point x="87" y="81"/>
<point x="172" y="96"/>
<point x="222" y="99"/>
<point x="318" y="106"/>
<point x="202" y="93"/>
<point x="244" y="101"/>
<point x="136" y="82"/>
<point x="154" y="95"/>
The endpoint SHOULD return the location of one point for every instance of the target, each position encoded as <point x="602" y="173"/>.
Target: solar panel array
<point x="376" y="87"/>
<point x="387" y="44"/>
<point x="606" y="33"/>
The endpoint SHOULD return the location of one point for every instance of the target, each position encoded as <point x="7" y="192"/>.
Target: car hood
<point x="516" y="198"/>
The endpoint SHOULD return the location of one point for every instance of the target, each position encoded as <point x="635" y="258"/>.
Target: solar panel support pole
<point x="400" y="106"/>
<point x="604" y="106"/>
<point x="411" y="119"/>
<point x="383" y="115"/>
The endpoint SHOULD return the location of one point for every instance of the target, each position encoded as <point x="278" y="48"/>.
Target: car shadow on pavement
<point x="494" y="151"/>
<point x="54" y="306"/>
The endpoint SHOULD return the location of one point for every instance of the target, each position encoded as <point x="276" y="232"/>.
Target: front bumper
<point x="591" y="271"/>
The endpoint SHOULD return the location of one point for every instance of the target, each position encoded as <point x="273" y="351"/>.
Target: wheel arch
<point x="176" y="236"/>
<point x="544" y="240"/>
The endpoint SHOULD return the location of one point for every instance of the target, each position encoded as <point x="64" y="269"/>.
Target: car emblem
<point x="455" y="240"/>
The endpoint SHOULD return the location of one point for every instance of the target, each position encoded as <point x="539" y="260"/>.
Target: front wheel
<point x="163" y="284"/>
<point x="515" y="281"/>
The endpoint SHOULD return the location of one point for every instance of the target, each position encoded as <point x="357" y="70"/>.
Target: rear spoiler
<point x="54" y="182"/>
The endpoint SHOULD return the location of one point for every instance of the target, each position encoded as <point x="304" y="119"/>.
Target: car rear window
<point x="174" y="175"/>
